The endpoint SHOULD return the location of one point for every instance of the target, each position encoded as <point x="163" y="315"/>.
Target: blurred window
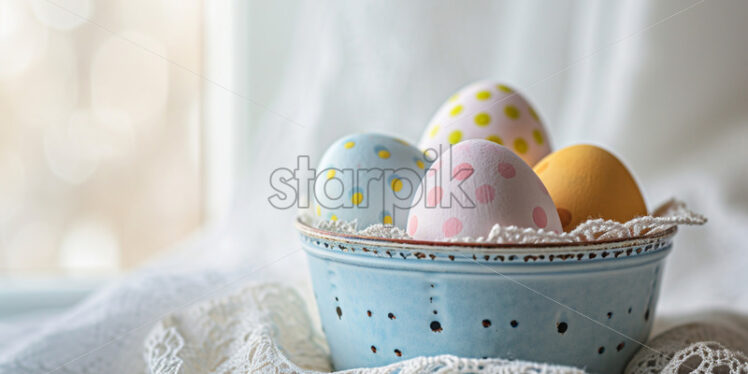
<point x="100" y="147"/>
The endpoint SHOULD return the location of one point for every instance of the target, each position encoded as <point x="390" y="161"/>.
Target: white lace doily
<point x="708" y="348"/>
<point x="265" y="328"/>
<point x="667" y="215"/>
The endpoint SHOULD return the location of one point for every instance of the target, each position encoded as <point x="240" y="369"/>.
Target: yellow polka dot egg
<point x="370" y="178"/>
<point x="491" y="111"/>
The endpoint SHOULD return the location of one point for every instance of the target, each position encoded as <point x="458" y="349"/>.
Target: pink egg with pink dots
<point x="475" y="185"/>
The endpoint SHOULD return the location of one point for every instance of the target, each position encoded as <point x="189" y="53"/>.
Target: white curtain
<point x="662" y="84"/>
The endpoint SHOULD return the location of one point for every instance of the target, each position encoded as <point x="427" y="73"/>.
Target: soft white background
<point x="662" y="84"/>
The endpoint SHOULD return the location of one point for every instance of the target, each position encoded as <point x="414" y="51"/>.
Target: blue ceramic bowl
<point x="588" y="305"/>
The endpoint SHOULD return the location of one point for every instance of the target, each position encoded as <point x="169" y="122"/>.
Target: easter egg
<point x="368" y="177"/>
<point x="491" y="111"/>
<point x="586" y="181"/>
<point x="475" y="185"/>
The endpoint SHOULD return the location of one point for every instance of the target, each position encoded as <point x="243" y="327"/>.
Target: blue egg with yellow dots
<point x="370" y="178"/>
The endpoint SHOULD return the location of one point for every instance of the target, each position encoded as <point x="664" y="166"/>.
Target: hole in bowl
<point x="391" y="316"/>
<point x="398" y="353"/>
<point x="514" y="323"/>
<point x="436" y="326"/>
<point x="486" y="323"/>
<point x="562" y="327"/>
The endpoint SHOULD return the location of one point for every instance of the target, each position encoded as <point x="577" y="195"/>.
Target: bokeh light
<point x="48" y="90"/>
<point x="89" y="245"/>
<point x="129" y="73"/>
<point x="20" y="37"/>
<point x="71" y="149"/>
<point x="99" y="133"/>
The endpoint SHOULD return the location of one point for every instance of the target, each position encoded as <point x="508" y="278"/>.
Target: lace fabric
<point x="265" y="328"/>
<point x="253" y="329"/>
<point x="667" y="215"/>
<point x="709" y="348"/>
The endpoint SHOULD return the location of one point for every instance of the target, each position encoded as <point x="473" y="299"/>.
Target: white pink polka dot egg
<point x="369" y="178"/>
<point x="491" y="111"/>
<point x="475" y="185"/>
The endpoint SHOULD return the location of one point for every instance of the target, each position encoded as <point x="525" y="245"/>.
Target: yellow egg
<point x="586" y="181"/>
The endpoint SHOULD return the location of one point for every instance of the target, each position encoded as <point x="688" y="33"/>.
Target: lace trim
<point x="162" y="349"/>
<point x="669" y="214"/>
<point x="694" y="348"/>
<point x="707" y="357"/>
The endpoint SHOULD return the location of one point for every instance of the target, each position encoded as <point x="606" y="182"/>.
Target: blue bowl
<point x="589" y="305"/>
